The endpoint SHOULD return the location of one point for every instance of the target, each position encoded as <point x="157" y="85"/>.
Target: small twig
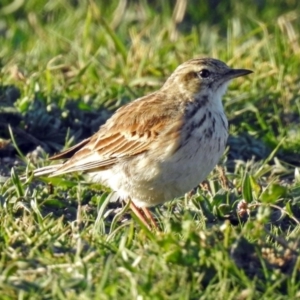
<point x="225" y="183"/>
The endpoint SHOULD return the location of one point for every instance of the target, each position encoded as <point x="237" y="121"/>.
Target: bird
<point x="159" y="146"/>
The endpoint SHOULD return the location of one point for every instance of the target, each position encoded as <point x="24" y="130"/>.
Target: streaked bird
<point x="159" y="146"/>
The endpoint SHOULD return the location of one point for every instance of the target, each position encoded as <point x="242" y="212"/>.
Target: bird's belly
<point x="189" y="167"/>
<point x="149" y="181"/>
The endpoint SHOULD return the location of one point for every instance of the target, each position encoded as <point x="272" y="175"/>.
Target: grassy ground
<point x="65" y="67"/>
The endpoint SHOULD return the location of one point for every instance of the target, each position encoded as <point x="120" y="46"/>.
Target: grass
<point x="65" y="67"/>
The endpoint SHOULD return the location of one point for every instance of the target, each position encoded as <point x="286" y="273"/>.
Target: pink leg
<point x="137" y="212"/>
<point x="146" y="218"/>
<point x="150" y="218"/>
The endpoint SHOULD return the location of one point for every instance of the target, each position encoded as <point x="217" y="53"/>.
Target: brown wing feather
<point x="129" y="132"/>
<point x="70" y="151"/>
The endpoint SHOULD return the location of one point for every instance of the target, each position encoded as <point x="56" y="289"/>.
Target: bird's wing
<point x="129" y="132"/>
<point x="68" y="153"/>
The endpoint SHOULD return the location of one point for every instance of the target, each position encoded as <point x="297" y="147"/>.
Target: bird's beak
<point x="233" y="73"/>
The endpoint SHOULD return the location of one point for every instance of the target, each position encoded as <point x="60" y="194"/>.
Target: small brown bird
<point x="162" y="145"/>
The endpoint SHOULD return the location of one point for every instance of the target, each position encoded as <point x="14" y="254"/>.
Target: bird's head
<point x="203" y="76"/>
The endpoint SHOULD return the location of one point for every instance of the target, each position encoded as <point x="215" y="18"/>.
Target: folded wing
<point x="129" y="132"/>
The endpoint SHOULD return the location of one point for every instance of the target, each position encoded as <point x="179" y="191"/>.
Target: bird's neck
<point x="212" y="100"/>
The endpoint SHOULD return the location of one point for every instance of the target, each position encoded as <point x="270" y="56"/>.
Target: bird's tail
<point x="44" y="171"/>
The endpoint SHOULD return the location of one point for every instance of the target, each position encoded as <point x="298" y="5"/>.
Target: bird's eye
<point x="204" y="73"/>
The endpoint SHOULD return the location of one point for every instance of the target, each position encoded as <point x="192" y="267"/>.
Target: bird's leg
<point x="138" y="213"/>
<point x="150" y="218"/>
